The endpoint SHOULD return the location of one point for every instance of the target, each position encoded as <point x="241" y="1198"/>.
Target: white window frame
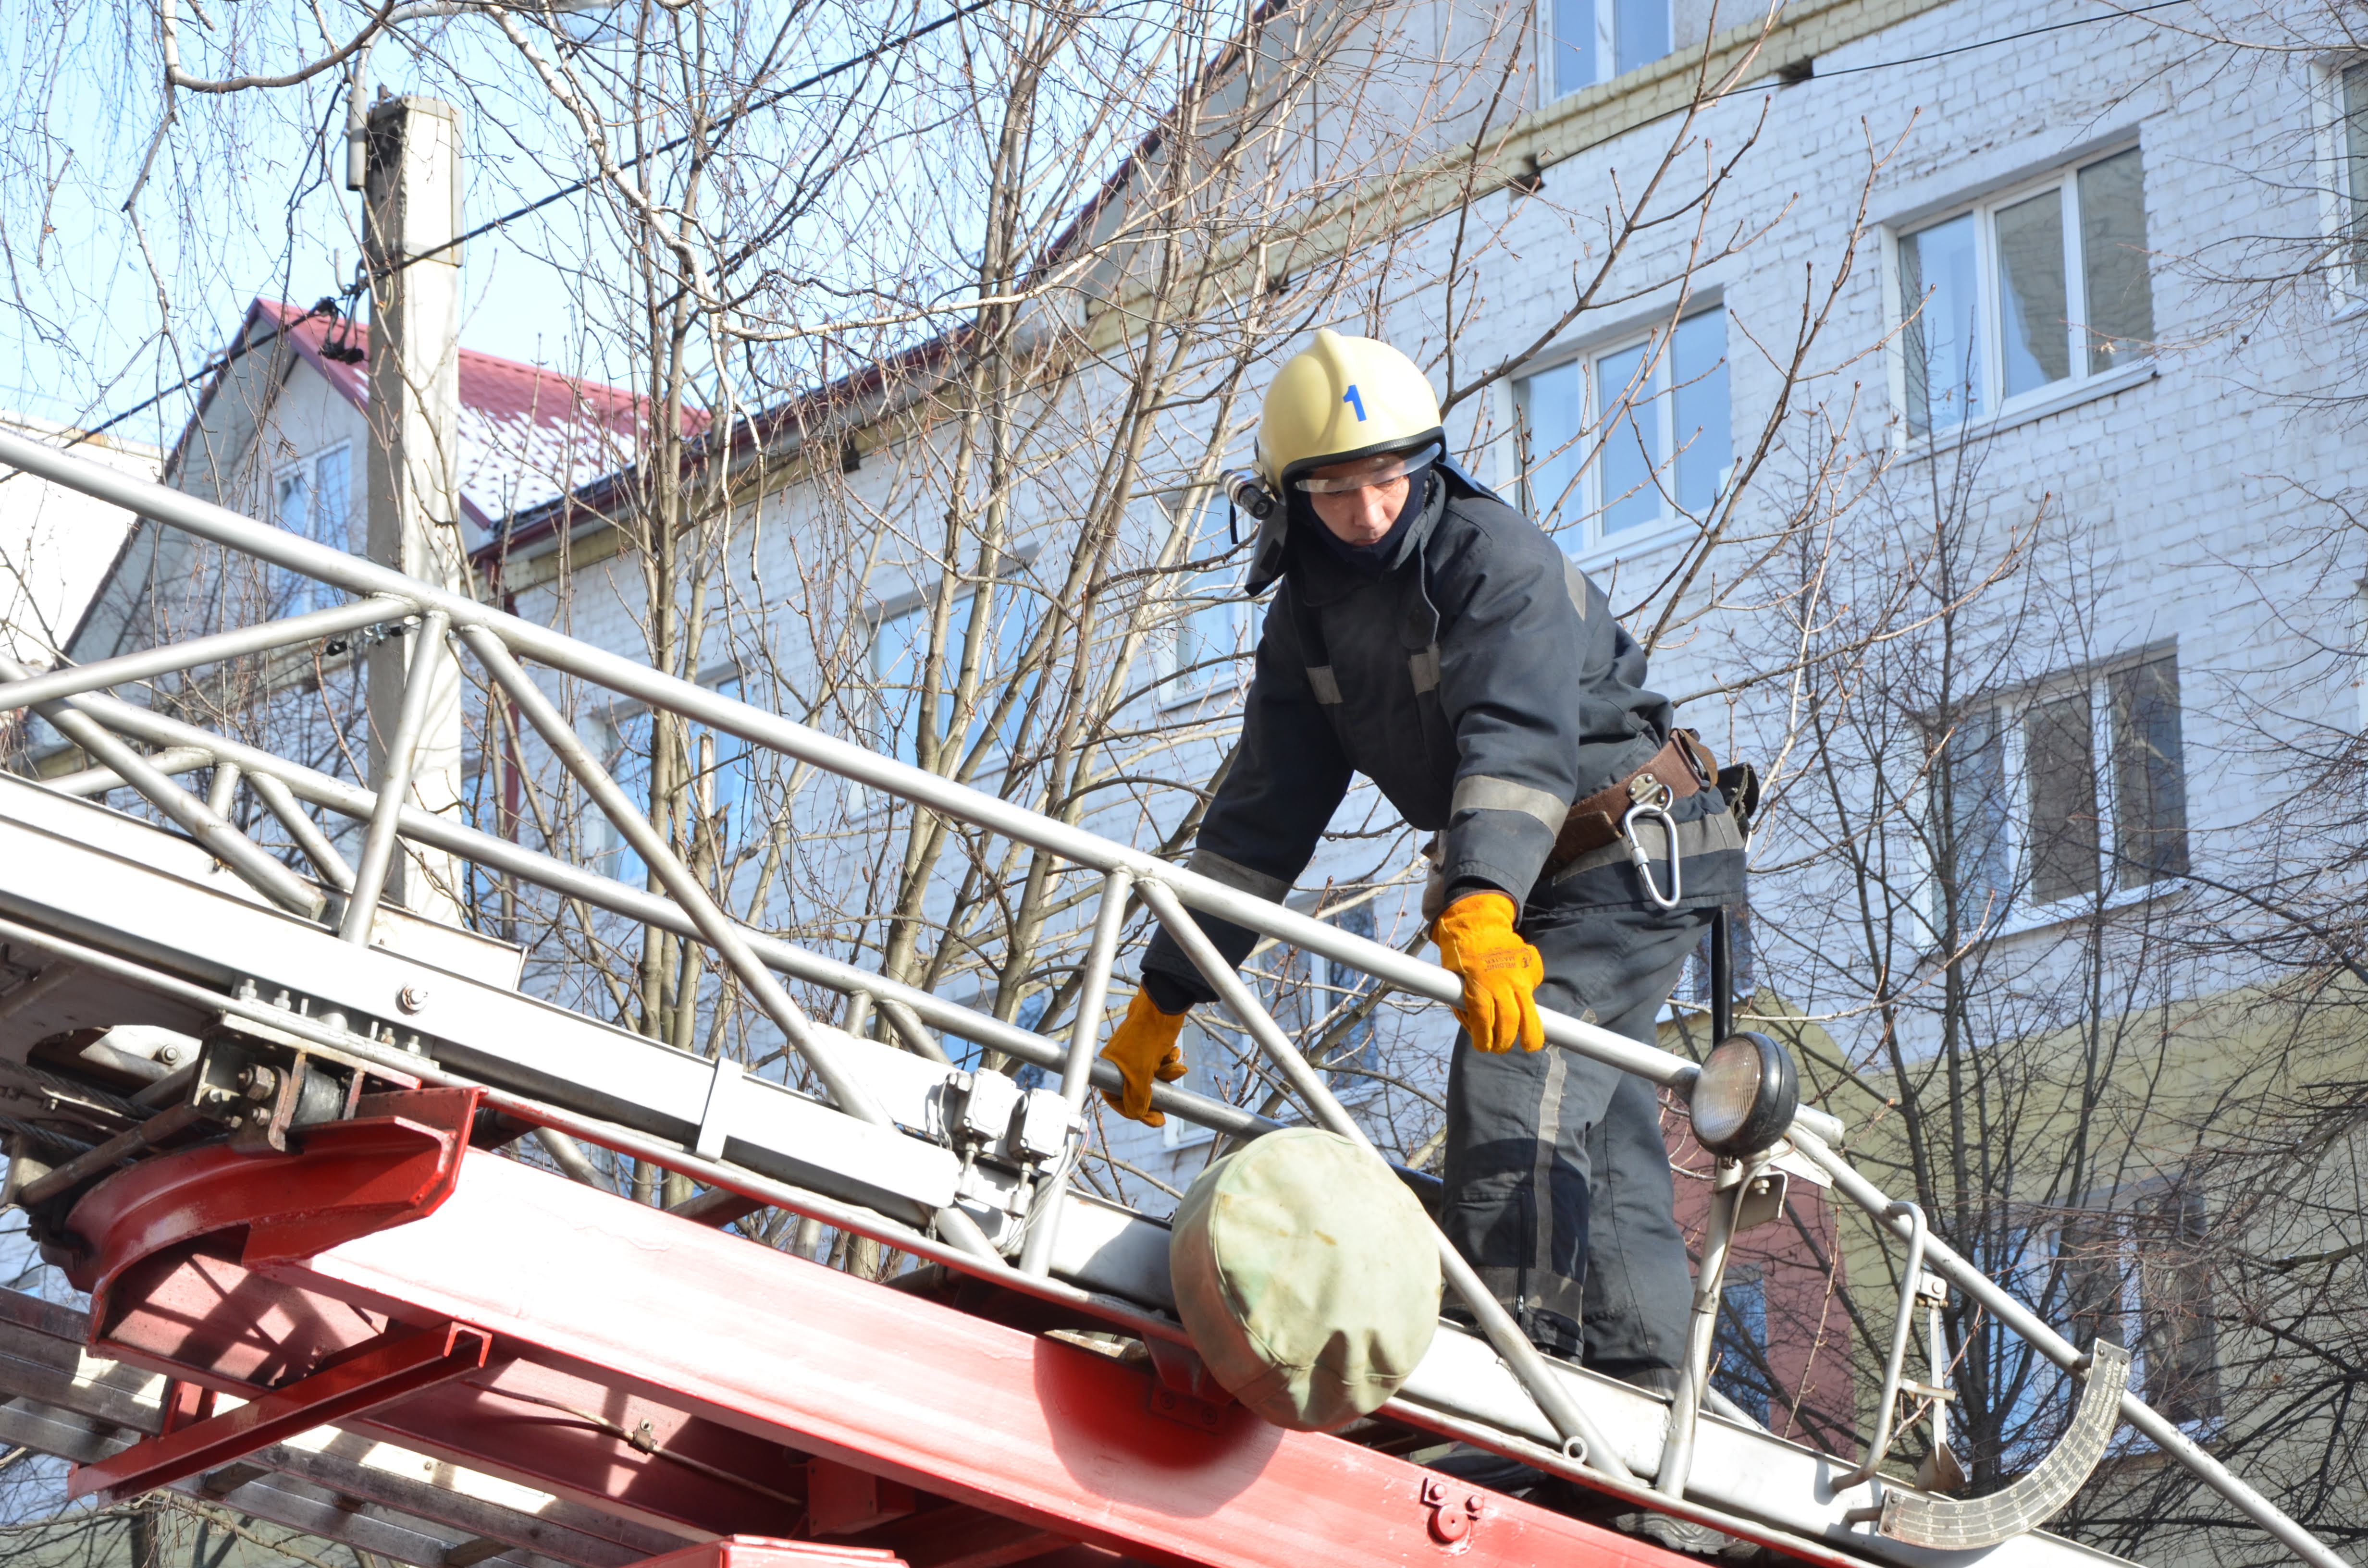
<point x="1998" y="410"/>
<point x="311" y="593"/>
<point x="603" y="729"/>
<point x="914" y="600"/>
<point x="1203" y="1057"/>
<point x="2131" y="1306"/>
<point x="1170" y="687"/>
<point x="300" y="471"/>
<point x="2347" y="290"/>
<point x="1605" y="54"/>
<point x="2010" y="711"/>
<point x="1585" y="540"/>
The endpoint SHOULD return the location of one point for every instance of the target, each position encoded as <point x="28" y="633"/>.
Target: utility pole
<point x="411" y="207"/>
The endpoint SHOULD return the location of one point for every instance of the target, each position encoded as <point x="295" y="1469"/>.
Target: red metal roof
<point x="527" y="435"/>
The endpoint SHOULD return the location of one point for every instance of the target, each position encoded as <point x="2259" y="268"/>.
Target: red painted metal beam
<point x="1019" y="1425"/>
<point x="191" y="1313"/>
<point x="384" y="1370"/>
<point x="759" y="1552"/>
<point x="625" y="1308"/>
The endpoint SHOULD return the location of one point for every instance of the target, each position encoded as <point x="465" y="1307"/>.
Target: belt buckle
<point x="1646" y="792"/>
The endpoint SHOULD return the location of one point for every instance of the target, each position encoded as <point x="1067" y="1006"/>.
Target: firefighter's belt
<point x="1681" y="766"/>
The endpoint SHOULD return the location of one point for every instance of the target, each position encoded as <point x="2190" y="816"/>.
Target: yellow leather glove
<point x="1500" y="972"/>
<point x="1143" y="1047"/>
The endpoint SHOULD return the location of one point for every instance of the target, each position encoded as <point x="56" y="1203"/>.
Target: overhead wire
<point x="334" y="306"/>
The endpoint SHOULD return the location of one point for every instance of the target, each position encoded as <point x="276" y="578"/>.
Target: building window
<point x="1346" y="985"/>
<point x="2025" y="295"/>
<point x="2348" y="90"/>
<point x="313" y="499"/>
<point x="1203" y="1058"/>
<point x="1593" y="40"/>
<point x="2096" y="767"/>
<point x="900" y="652"/>
<point x="721" y="769"/>
<point x="1199" y="633"/>
<point x="2141" y="1279"/>
<point x="967" y="1055"/>
<point x="1741" y="1347"/>
<point x="1974" y="853"/>
<point x="1624" y="442"/>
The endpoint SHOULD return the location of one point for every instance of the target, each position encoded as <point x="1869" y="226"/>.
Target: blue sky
<point x="244" y="195"/>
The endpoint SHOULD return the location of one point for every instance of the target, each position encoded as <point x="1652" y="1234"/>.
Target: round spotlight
<point x="1745" y="1096"/>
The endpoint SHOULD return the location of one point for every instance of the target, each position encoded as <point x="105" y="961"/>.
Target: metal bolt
<point x="411" y="998"/>
<point x="169" y="1055"/>
<point x="258" y="1083"/>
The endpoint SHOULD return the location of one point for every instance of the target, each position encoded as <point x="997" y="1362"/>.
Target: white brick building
<point x="2066" y="193"/>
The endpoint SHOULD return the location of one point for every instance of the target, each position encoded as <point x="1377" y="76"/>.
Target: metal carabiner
<point x="1655" y="804"/>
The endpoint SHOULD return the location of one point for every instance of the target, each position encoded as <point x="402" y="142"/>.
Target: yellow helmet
<point x="1341" y="398"/>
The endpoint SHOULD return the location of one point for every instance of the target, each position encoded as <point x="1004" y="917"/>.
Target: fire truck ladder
<point x="319" y="1295"/>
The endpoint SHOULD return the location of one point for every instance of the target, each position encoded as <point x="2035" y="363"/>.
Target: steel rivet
<point x="411" y="998"/>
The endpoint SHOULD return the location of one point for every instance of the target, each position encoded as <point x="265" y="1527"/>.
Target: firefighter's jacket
<point x="1479" y="680"/>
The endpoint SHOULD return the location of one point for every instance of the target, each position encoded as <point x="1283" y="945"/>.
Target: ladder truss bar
<point x="1077" y="1074"/>
<point x="561" y="651"/>
<point x="719" y="930"/>
<point x="671" y="1155"/>
<point x="172" y="762"/>
<point x="166" y="657"/>
<point x="199" y="821"/>
<point x="640" y="905"/>
<point x="1894" y="1366"/>
<point x="379" y="847"/>
<point x="1569" y="1421"/>
<point x="222" y="790"/>
<point x="1702" y="1333"/>
<point x="1084" y="1030"/>
<point x="301" y="827"/>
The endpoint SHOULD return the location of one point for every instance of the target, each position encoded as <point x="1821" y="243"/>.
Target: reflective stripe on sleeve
<point x="1478" y="792"/>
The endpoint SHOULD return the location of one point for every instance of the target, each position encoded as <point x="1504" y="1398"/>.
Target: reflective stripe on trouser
<point x="1558" y="1180"/>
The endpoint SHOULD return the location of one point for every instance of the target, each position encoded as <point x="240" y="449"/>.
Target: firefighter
<point x="1431" y="638"/>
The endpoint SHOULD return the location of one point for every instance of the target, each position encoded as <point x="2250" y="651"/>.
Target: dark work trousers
<point x="1558" y="1180"/>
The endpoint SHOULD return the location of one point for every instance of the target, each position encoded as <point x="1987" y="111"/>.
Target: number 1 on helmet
<point x="1353" y="401"/>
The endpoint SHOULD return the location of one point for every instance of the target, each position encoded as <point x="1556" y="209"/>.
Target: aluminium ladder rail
<point x="1010" y="1201"/>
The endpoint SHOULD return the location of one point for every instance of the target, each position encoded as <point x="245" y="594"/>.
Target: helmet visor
<point x="1363" y="473"/>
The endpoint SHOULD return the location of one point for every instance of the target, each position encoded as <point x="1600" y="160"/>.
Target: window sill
<point x="1166" y="700"/>
<point x="1631" y="545"/>
<point x="2025" y="921"/>
<point x="2039" y="405"/>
